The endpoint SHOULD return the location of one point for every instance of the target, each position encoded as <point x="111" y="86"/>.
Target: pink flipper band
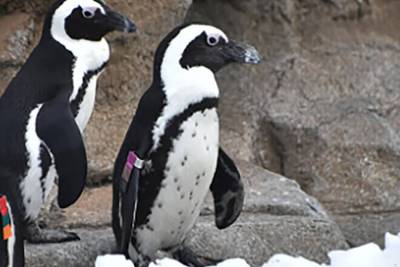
<point x="133" y="161"/>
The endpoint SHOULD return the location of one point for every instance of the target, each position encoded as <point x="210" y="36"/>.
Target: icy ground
<point x="369" y="255"/>
<point x="120" y="261"/>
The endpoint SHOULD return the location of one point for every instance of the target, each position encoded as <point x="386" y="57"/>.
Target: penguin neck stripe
<point x="80" y="93"/>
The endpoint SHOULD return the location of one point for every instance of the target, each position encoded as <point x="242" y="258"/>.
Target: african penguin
<point x="46" y="107"/>
<point x="173" y="145"/>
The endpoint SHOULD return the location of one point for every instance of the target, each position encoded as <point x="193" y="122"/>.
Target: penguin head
<point x="87" y="20"/>
<point x="196" y="45"/>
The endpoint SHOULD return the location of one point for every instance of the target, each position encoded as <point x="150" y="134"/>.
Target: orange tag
<point x="5" y="218"/>
<point x="7" y="232"/>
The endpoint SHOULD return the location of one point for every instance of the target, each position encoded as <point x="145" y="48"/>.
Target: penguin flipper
<point x="57" y="128"/>
<point x="227" y="190"/>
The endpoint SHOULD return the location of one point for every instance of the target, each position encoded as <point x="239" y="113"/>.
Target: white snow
<point x="233" y="263"/>
<point x="166" y="263"/>
<point x="120" y="261"/>
<point x="369" y="255"/>
<point x="172" y="263"/>
<point x="282" y="260"/>
<point x="113" y="261"/>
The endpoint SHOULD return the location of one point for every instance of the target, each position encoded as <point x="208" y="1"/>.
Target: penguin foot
<point x="188" y="257"/>
<point x="36" y="235"/>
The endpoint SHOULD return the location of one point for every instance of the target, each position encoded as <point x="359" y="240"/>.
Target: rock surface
<point x="323" y="107"/>
<point x="278" y="217"/>
<point x="93" y="242"/>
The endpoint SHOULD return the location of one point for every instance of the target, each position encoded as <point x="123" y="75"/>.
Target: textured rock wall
<point x="322" y="108"/>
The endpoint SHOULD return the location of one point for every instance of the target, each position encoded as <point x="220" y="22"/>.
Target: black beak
<point x="117" y="22"/>
<point x="242" y="53"/>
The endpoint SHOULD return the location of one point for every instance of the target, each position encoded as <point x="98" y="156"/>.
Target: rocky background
<point x="321" y="110"/>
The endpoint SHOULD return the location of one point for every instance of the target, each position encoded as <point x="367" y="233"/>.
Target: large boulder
<point x="323" y="107"/>
<point x="278" y="217"/>
<point x="93" y="242"/>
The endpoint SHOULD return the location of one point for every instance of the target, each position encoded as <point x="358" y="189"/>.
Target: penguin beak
<point x="241" y="53"/>
<point x="117" y="22"/>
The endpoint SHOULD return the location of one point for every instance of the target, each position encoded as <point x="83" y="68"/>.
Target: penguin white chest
<point x="85" y="108"/>
<point x="35" y="185"/>
<point x="190" y="168"/>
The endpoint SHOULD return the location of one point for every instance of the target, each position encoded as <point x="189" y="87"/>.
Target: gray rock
<point x="256" y="237"/>
<point x="15" y="41"/>
<point x="360" y="227"/>
<point x="272" y="194"/>
<point x="278" y="217"/>
<point x="72" y="254"/>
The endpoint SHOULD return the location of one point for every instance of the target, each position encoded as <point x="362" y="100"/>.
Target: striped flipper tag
<point x="132" y="161"/>
<point x="5" y="218"/>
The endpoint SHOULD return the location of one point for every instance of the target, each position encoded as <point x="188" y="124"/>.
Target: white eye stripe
<point x="213" y="39"/>
<point x="89" y="12"/>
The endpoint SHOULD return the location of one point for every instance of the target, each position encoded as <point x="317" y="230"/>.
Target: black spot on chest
<point x="151" y="183"/>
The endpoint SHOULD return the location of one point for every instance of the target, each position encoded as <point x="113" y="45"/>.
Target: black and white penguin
<point x="46" y="107"/>
<point x="173" y="146"/>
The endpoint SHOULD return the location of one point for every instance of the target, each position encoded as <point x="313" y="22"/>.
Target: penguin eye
<point x="88" y="13"/>
<point x="212" y="40"/>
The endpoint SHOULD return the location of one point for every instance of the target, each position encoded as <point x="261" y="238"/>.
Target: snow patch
<point x="233" y="263"/>
<point x="281" y="260"/>
<point x="166" y="262"/>
<point x="120" y="261"/>
<point x="369" y="255"/>
<point x="113" y="261"/>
